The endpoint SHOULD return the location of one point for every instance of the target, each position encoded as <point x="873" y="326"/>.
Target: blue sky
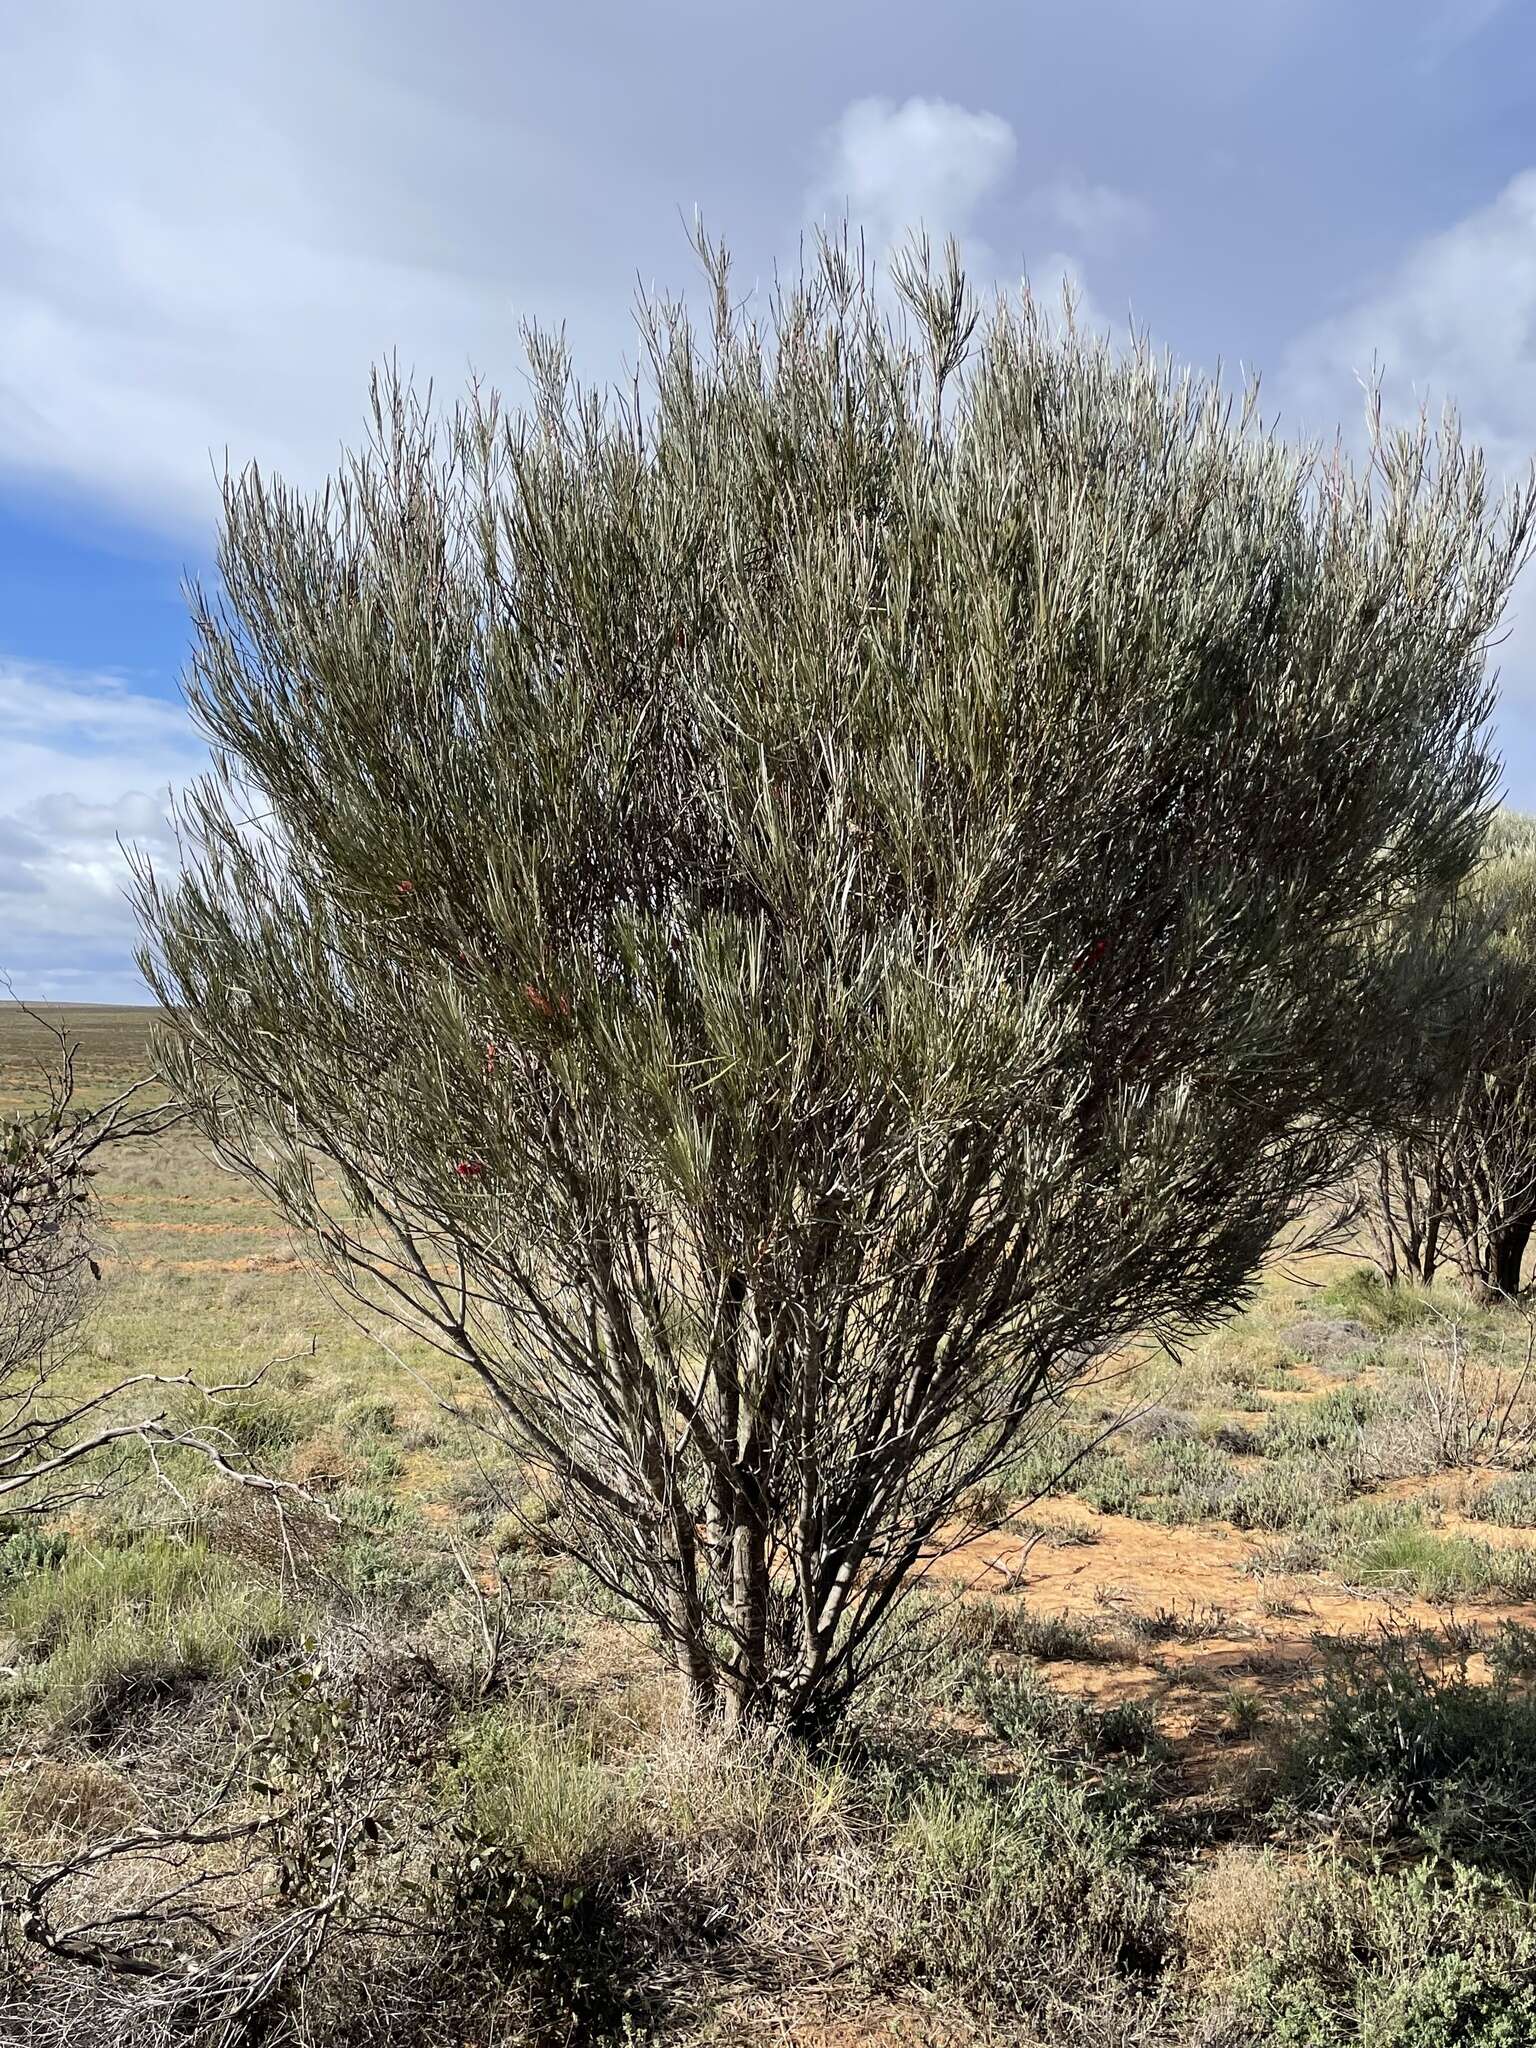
<point x="212" y="219"/>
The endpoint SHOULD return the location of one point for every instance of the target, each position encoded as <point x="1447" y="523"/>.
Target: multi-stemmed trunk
<point x="1507" y="1251"/>
<point x="1496" y="1260"/>
<point x="1406" y="1212"/>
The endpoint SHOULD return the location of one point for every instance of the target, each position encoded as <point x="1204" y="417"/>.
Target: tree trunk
<point x="1507" y="1253"/>
<point x="1431" y="1258"/>
<point x="747" y="1681"/>
<point x="690" y="1646"/>
<point x="1493" y="1268"/>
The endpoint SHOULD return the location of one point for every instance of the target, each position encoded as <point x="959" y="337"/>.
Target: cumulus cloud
<point x="214" y="221"/>
<point x="1096" y="216"/>
<point x="929" y="165"/>
<point x="925" y="163"/>
<point x="92" y="765"/>
<point x="1455" y="321"/>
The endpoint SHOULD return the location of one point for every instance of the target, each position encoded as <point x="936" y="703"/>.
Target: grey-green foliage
<point x="1455" y="1172"/>
<point x="779" y="913"/>
<point x="1385" y="1959"/>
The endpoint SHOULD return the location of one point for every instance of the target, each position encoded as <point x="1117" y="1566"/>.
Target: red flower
<point x="470" y="1169"/>
<point x="1094" y="954"/>
<point x="558" y="1008"/>
<point x="407" y="888"/>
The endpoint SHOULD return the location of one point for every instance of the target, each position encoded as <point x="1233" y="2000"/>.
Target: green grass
<point x="104" y="1630"/>
<point x="1412" y="1558"/>
<point x="1364" y="1296"/>
<point x="537" y="1790"/>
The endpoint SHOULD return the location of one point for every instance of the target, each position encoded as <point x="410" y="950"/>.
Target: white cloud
<point x="928" y="164"/>
<point x="924" y="164"/>
<point x="214" y="221"/>
<point x="1455" y="321"/>
<point x="1096" y="216"/>
<point x="89" y="763"/>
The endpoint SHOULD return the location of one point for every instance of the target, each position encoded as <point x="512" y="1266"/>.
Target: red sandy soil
<point x="175" y="1229"/>
<point x="250" y="1265"/>
<point x="1137" y="1568"/>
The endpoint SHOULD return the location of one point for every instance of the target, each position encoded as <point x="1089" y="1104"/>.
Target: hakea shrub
<point x="903" y="797"/>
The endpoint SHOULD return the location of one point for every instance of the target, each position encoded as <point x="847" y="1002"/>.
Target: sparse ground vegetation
<point x="1125" y="1786"/>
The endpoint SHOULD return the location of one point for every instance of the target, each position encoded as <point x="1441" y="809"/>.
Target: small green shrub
<point x="1363" y="1294"/>
<point x="1508" y="1503"/>
<point x="1185" y="1480"/>
<point x="528" y="1528"/>
<point x="369" y="1507"/>
<point x="1290" y="1494"/>
<point x="1051" y="1462"/>
<point x="1171" y="1480"/>
<point x="1106" y="1483"/>
<point x="543" y="1844"/>
<point x="1022" y="1710"/>
<point x="376" y="1460"/>
<point x="986" y="1628"/>
<point x="1026" y="1898"/>
<point x="28" y="1550"/>
<point x="1191" y="1624"/>
<point x="1327" y="1957"/>
<point x="1231" y="1369"/>
<point x="1328" y="1426"/>
<point x="1396" y="1746"/>
<point x="1245" y="1713"/>
<point x="1512" y="1653"/>
<point x="367" y="1415"/>
<point x="537" y="1787"/>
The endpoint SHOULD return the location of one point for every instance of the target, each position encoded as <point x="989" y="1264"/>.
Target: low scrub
<point x="106" y="1630"/>
<point x="992" y="1628"/>
<point x="1028" y="1899"/>
<point x="1508" y="1504"/>
<point x="1322" y="1956"/>
<point x="544" y="1857"/>
<point x="1328" y="1427"/>
<point x="1400" y="1745"/>
<point x="1363" y="1294"/>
